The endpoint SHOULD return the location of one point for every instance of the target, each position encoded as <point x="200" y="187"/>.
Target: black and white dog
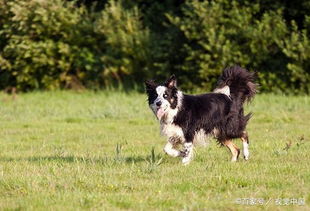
<point x="185" y="119"/>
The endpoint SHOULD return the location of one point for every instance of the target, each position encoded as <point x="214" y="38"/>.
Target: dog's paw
<point x="184" y="153"/>
<point x="246" y="157"/>
<point x="186" y="160"/>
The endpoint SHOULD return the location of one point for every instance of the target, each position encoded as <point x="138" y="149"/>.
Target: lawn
<point x="102" y="150"/>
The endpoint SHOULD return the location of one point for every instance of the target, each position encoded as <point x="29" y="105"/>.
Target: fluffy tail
<point x="238" y="83"/>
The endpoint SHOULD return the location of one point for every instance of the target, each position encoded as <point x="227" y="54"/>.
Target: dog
<point x="186" y="119"/>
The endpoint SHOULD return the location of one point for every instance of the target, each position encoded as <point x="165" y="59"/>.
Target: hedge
<point x="68" y="44"/>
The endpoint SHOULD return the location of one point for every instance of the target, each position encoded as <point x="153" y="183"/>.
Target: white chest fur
<point x="171" y="130"/>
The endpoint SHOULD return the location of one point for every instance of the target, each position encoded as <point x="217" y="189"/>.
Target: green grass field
<point x="68" y="151"/>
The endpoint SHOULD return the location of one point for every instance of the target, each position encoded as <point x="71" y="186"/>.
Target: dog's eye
<point x="165" y="96"/>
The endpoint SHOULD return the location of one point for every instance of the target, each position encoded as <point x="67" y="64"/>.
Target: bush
<point x="66" y="44"/>
<point x="49" y="44"/>
<point x="126" y="43"/>
<point x="223" y="33"/>
<point x="297" y="49"/>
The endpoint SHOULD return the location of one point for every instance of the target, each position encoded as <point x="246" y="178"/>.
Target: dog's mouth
<point x="160" y="112"/>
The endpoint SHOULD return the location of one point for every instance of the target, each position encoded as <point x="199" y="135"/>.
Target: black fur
<point x="150" y="87"/>
<point x="213" y="110"/>
<point x="241" y="83"/>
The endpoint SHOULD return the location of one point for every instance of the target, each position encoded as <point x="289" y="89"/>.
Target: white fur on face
<point x="171" y="113"/>
<point x="160" y="90"/>
<point x="167" y="127"/>
<point x="165" y="106"/>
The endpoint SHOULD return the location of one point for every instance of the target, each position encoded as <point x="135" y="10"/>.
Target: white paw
<point x="187" y="153"/>
<point x="234" y="160"/>
<point x="246" y="154"/>
<point x="186" y="160"/>
<point x="172" y="152"/>
<point x="184" y="153"/>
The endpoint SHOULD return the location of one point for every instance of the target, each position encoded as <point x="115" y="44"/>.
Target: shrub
<point x="48" y="44"/>
<point x="223" y="33"/>
<point x="297" y="48"/>
<point x="127" y="51"/>
<point x="67" y="44"/>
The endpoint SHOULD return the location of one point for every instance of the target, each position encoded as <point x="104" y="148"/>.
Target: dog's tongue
<point x="160" y="112"/>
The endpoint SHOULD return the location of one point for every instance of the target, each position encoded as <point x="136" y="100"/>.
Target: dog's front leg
<point x="187" y="152"/>
<point x="170" y="150"/>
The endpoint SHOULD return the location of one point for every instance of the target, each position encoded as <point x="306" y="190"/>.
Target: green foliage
<point x="126" y="41"/>
<point x="46" y="44"/>
<point x="297" y="49"/>
<point x="214" y="39"/>
<point x="225" y="33"/>
<point x="67" y="44"/>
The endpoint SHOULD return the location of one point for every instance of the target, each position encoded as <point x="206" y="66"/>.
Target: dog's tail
<point x="237" y="83"/>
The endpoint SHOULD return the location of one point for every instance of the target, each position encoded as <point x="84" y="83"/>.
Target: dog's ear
<point x="149" y="85"/>
<point x="171" y="82"/>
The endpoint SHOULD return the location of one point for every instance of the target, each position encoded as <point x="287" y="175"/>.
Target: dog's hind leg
<point x="235" y="151"/>
<point x="245" y="144"/>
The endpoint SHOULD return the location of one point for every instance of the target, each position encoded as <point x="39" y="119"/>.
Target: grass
<point x="68" y="151"/>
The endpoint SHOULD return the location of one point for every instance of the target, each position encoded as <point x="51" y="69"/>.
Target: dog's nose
<point x="158" y="103"/>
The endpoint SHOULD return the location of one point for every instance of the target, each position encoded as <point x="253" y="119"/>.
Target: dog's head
<point x="162" y="98"/>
